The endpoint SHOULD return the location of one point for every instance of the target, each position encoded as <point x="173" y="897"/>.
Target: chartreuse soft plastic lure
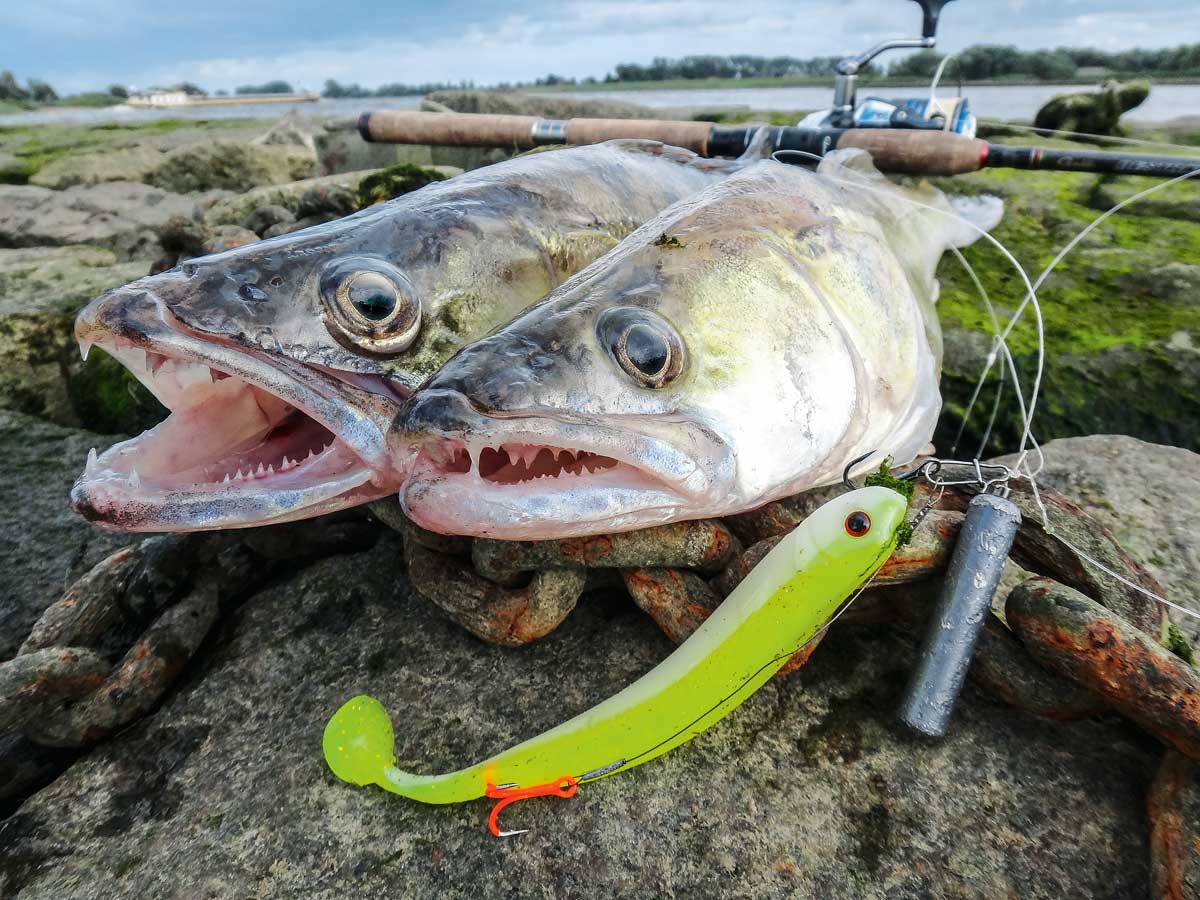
<point x="776" y="610"/>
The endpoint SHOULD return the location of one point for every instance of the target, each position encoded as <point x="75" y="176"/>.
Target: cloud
<point x="85" y="44"/>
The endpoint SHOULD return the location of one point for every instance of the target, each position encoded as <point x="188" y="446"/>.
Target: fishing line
<point x="1031" y="289"/>
<point x="1000" y="123"/>
<point x="787" y="654"/>
<point x="1028" y="441"/>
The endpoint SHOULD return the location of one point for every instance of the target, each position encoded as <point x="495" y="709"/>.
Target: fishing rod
<point x="894" y="150"/>
<point x="908" y="136"/>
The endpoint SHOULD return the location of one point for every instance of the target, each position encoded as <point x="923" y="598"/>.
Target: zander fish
<point x="742" y="346"/>
<point x="284" y="362"/>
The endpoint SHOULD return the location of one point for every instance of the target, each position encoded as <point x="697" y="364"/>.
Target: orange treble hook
<point x="564" y="787"/>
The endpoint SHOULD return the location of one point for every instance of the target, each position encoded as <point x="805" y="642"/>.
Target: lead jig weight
<point x="983" y="543"/>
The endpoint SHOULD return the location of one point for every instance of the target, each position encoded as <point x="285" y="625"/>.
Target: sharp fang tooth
<point x="261" y="468"/>
<point x="270" y="470"/>
<point x="84" y="347"/>
<point x="226" y="481"/>
<point x="91" y="462"/>
<point x="286" y="464"/>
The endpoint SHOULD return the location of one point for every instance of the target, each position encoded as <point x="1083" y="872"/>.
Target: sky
<point x="79" y="45"/>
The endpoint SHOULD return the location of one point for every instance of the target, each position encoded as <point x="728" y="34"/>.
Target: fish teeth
<point x="134" y="480"/>
<point x="226" y="481"/>
<point x="91" y="464"/>
<point x="270" y="470"/>
<point x="84" y="347"/>
<point x="262" y="470"/>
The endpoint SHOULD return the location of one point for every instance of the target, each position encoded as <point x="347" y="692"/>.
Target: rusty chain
<point x="105" y="653"/>
<point x="1068" y="643"/>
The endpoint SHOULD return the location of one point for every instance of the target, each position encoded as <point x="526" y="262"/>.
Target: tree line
<point x="982" y="61"/>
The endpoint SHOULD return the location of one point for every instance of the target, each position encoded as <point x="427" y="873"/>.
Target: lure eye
<point x="858" y="523"/>
<point x="370" y="305"/>
<point x="644" y="344"/>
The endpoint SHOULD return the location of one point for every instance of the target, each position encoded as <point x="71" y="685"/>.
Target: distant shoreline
<point x="678" y="84"/>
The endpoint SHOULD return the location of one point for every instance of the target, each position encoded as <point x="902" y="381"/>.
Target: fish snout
<point x="121" y="312"/>
<point x="438" y="412"/>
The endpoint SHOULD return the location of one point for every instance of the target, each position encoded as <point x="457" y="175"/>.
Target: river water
<point x="1166" y="101"/>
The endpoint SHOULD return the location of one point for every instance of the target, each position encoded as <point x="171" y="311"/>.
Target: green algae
<point x="393" y="182"/>
<point x="1119" y="312"/>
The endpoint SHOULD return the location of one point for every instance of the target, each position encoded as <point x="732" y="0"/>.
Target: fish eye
<point x="644" y="344"/>
<point x="858" y="523"/>
<point x="370" y="305"/>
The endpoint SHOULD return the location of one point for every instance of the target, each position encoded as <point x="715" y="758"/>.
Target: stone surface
<point x="807" y="790"/>
<point x="234" y="210"/>
<point x="1122" y="324"/>
<point x="1148" y="496"/>
<point x="44" y="546"/>
<point x="118" y="215"/>
<point x="231" y="166"/>
<point x="41" y="289"/>
<point x="127" y="164"/>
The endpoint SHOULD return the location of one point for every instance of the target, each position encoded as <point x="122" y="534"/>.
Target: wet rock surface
<point x="44" y="546"/>
<point x="116" y="215"/>
<point x="807" y="790"/>
<point x="41" y="289"/>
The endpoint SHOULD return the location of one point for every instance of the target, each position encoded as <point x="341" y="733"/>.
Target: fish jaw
<point x="530" y="476"/>
<point x="252" y="438"/>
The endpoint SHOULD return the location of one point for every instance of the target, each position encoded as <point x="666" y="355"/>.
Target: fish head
<point x="282" y="364"/>
<point x="736" y="349"/>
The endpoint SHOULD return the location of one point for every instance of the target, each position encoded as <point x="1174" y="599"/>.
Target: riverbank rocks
<point x="237" y="209"/>
<point x="41" y="289"/>
<point x="117" y="215"/>
<point x="1092" y="112"/>
<point x="1121" y="321"/>
<point x="231" y="166"/>
<point x="807" y="790"/>
<point x="128" y="164"/>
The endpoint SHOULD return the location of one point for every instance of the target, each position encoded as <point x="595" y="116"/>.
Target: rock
<point x="226" y="237"/>
<point x="394" y="181"/>
<point x="1122" y="328"/>
<point x="1092" y="112"/>
<point x="807" y="790"/>
<point x="234" y="210"/>
<point x="1148" y="496"/>
<point x="335" y="200"/>
<point x="41" y="289"/>
<point x="13" y="169"/>
<point x="44" y="546"/>
<point x="267" y="216"/>
<point x="232" y="166"/>
<point x="183" y="239"/>
<point x="117" y="215"/>
<point x="128" y="164"/>
<point x="290" y="131"/>
<point x="552" y="106"/>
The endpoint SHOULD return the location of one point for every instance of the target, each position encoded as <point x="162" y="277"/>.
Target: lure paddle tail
<point x="776" y="610"/>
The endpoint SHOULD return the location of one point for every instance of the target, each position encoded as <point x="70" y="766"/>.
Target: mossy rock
<point x="394" y="181"/>
<point x="107" y="397"/>
<point x="231" y="166"/>
<point x="1122" y="321"/>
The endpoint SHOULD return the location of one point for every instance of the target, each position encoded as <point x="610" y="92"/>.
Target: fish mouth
<point x="530" y="476"/>
<point x="251" y="438"/>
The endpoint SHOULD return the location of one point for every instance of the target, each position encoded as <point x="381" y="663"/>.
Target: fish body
<point x="741" y="346"/>
<point x="773" y="612"/>
<point x="284" y="362"/>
